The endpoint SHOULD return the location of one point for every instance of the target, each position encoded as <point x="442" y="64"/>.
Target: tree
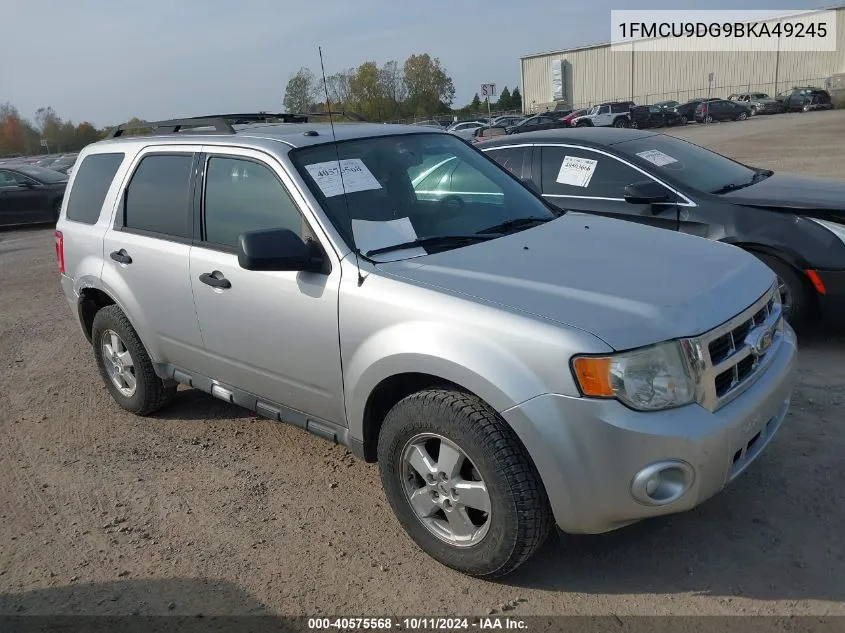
<point x="365" y="91"/>
<point x="86" y="134"/>
<point x="429" y="87"/>
<point x="301" y="91"/>
<point x="393" y="88"/>
<point x="504" y="102"/>
<point x="338" y="85"/>
<point x="516" y="99"/>
<point x="475" y="104"/>
<point x="49" y="124"/>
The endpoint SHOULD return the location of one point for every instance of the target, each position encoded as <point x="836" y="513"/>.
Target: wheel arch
<point x="91" y="301"/>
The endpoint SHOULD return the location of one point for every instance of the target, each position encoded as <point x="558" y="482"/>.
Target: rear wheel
<point x="621" y="122"/>
<point x="795" y="294"/>
<point x="708" y="118"/>
<point x="125" y="366"/>
<point x="461" y="484"/>
<point x="742" y="116"/>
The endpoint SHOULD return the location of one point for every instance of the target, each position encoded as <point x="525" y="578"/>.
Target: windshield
<point x="41" y="174"/>
<point x="689" y="164"/>
<point x="412" y="186"/>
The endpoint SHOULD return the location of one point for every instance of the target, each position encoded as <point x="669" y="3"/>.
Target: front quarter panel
<point x="389" y="327"/>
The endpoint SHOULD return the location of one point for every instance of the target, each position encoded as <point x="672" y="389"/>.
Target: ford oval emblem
<point x="760" y="340"/>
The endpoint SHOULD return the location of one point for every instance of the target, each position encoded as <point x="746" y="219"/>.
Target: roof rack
<point x="222" y="123"/>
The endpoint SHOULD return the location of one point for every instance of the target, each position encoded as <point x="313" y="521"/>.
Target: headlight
<point x="648" y="379"/>
<point x="837" y="229"/>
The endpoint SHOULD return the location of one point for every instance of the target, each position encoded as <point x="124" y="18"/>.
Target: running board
<point x="329" y="431"/>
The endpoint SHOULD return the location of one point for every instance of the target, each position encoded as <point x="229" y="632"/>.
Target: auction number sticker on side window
<point x="656" y="157"/>
<point x="355" y="176"/>
<point x="576" y="171"/>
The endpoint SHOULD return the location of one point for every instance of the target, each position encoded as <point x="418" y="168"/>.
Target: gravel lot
<point x="207" y="509"/>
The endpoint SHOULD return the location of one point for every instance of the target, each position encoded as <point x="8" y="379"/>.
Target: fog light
<point x="662" y="483"/>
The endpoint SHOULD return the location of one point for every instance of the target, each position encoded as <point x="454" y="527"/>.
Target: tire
<point x="753" y="111"/>
<point x="150" y="393"/>
<point x="806" y="108"/>
<point x="518" y="519"/>
<point x="583" y="124"/>
<point x="621" y="122"/>
<point x="684" y="120"/>
<point x="708" y="118"/>
<point x="795" y="291"/>
<point x="742" y="116"/>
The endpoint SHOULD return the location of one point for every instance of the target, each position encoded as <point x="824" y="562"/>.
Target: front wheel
<point x="461" y="483"/>
<point x="742" y="116"/>
<point x="708" y="119"/>
<point x="684" y="120"/>
<point x="795" y="296"/>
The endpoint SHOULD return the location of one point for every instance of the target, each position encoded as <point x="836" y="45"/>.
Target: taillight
<point x="60" y="251"/>
<point x="704" y="109"/>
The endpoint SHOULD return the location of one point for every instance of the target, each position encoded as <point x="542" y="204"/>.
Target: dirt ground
<point x="208" y="509"/>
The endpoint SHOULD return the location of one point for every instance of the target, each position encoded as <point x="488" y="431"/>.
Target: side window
<point x="604" y="178"/>
<point x="7" y="179"/>
<point x="93" y="178"/>
<point x="243" y="195"/>
<point x="158" y="196"/>
<point x="517" y="160"/>
<point x="604" y="110"/>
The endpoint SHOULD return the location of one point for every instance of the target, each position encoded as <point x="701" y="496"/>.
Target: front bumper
<point x="588" y="452"/>
<point x="832" y="303"/>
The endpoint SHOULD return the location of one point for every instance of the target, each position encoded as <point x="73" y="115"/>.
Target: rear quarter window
<point x="93" y="178"/>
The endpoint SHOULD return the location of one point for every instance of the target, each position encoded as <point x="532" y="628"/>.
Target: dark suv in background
<point x="804" y="98"/>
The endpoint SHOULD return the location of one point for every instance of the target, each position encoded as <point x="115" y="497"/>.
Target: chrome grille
<point x="726" y="362"/>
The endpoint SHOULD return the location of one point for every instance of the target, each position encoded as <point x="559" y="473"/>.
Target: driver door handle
<point x="215" y="279"/>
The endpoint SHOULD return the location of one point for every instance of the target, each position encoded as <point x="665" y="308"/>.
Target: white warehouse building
<point x="646" y="72"/>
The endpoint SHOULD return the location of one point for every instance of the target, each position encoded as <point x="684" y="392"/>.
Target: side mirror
<point x="646" y="192"/>
<point x="26" y="184"/>
<point x="277" y="249"/>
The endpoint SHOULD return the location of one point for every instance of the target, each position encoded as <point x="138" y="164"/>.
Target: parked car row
<point x="62" y="163"/>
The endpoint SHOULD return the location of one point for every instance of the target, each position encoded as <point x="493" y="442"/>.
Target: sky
<point x="106" y="61"/>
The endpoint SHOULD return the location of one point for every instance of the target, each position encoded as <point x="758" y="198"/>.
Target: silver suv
<point x="510" y="366"/>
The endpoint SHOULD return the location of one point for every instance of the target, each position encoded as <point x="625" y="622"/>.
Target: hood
<point x="805" y="195"/>
<point x="628" y="284"/>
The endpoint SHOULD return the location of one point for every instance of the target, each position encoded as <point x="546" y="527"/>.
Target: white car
<point x="465" y="129"/>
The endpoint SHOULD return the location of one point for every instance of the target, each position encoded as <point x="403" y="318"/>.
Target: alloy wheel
<point x="445" y="490"/>
<point x="119" y="364"/>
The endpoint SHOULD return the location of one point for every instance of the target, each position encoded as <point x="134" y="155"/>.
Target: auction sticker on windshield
<point x="656" y="157"/>
<point x="355" y="177"/>
<point x="576" y="171"/>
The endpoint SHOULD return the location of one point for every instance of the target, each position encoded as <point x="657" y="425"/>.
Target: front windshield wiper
<point x="510" y="225"/>
<point x="762" y="174"/>
<point x="435" y="240"/>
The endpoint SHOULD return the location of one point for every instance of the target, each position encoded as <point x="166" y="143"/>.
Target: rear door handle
<point x="121" y="256"/>
<point x="215" y="280"/>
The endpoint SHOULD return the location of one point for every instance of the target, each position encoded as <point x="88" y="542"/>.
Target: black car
<point x="804" y="98"/>
<point x="537" y="122"/>
<point x="686" y="111"/>
<point x="30" y="194"/>
<point x="653" y="116"/>
<point x="721" y="110"/>
<point x="794" y="224"/>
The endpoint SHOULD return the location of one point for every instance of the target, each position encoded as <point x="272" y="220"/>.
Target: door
<point x="578" y="178"/>
<point x="22" y="199"/>
<point x="270" y="333"/>
<point x="603" y="117"/>
<point x="147" y="254"/>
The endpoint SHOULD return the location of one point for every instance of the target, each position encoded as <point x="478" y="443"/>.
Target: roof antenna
<point x="340" y="168"/>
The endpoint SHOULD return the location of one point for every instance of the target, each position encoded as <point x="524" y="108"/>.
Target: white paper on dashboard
<point x="356" y="177"/>
<point x="576" y="171"/>
<point x="371" y="235"/>
<point x="656" y="157"/>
